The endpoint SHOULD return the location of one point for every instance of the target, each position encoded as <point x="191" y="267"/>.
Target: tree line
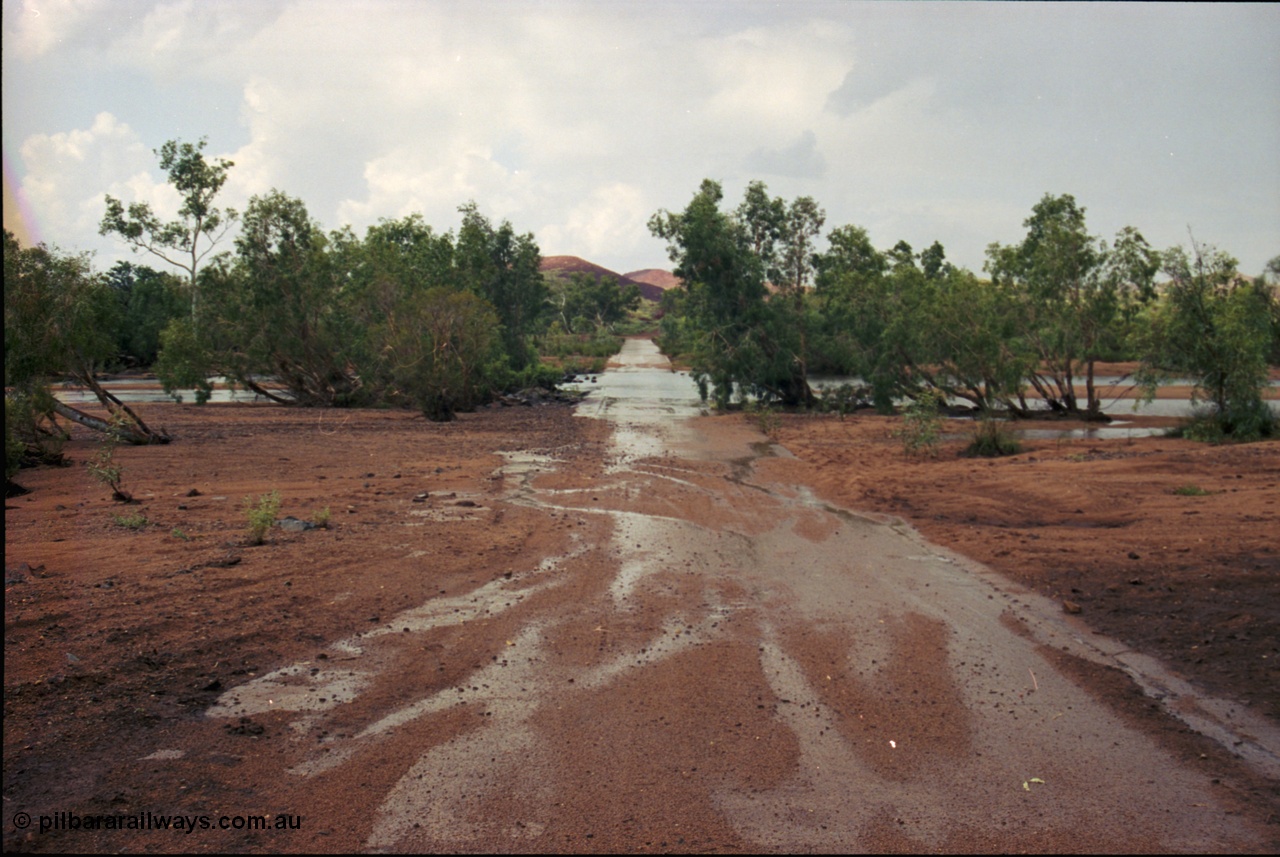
<point x="763" y="309"/>
<point x="443" y="321"/>
<point x="404" y="315"/>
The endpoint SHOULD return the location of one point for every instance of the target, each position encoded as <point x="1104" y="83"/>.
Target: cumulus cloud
<point x="69" y="173"/>
<point x="611" y="220"/>
<point x="578" y="120"/>
<point x="35" y="27"/>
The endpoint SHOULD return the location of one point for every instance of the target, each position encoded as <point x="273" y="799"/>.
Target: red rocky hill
<point x="564" y="267"/>
<point x="656" y="277"/>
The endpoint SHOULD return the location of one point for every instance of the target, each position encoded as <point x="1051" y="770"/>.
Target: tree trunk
<point x="131" y="424"/>
<point x="258" y="389"/>
<point x="1094" y="413"/>
<point x="128" y="426"/>
<point x="81" y="418"/>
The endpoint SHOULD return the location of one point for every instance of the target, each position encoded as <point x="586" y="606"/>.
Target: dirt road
<point x="764" y="672"/>
<point x="705" y="658"/>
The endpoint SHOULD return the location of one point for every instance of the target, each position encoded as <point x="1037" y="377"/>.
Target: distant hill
<point x="656" y="277"/>
<point x="566" y="266"/>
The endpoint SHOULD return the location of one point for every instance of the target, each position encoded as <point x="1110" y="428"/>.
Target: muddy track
<point x="638" y="629"/>
<point x="714" y="661"/>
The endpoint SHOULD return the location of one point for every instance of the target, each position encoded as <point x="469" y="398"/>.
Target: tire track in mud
<point x="734" y="666"/>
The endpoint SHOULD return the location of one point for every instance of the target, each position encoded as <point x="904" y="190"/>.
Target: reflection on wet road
<point x="741" y="658"/>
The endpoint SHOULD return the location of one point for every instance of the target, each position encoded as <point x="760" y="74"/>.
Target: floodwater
<point x="150" y="390"/>
<point x="910" y="683"/>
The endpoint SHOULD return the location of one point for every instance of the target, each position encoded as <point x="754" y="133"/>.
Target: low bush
<point x="992" y="439"/>
<point x="921" y="429"/>
<point x="261" y="516"/>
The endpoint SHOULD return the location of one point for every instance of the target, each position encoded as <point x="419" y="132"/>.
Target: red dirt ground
<point x="116" y="636"/>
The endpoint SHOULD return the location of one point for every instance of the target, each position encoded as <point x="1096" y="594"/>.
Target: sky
<point x="577" y="121"/>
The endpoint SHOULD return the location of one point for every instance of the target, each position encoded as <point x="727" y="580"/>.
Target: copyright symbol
<point x="21" y="820"/>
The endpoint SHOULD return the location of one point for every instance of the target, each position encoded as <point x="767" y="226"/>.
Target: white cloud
<point x="68" y="175"/>
<point x="578" y="120"/>
<point x="36" y="27"/>
<point x="610" y="220"/>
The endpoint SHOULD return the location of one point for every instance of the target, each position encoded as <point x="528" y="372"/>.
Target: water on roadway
<point x="772" y="673"/>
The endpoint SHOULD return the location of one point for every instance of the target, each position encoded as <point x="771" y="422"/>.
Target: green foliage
<point x="574" y="347"/>
<point x="31" y="436"/>
<point x="1269" y="288"/>
<point x="992" y="439"/>
<point x="1216" y="328"/>
<point x="59" y="316"/>
<point x="540" y="375"/>
<point x="184" y="362"/>
<point x="186" y="241"/>
<point x="103" y="466"/>
<point x="501" y="267"/>
<point x="921" y="429"/>
<point x="149" y="300"/>
<point x="59" y="322"/>
<point x="587" y="304"/>
<point x="444" y="351"/>
<point x="179" y="535"/>
<point x="105" y="469"/>
<point x="322" y="517"/>
<point x="1190" y="490"/>
<point x="277" y="310"/>
<point x="1071" y="289"/>
<point x="262" y="516"/>
<point x="404" y="316"/>
<point x="136" y="521"/>
<point x="738" y="342"/>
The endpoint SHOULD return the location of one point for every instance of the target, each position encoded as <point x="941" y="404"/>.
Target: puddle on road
<point x="845" y="569"/>
<point x="316" y="686"/>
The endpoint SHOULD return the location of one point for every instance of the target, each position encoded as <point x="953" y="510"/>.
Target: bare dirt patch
<point x="118" y="638"/>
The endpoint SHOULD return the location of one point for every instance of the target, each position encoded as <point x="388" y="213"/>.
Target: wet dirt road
<point x="716" y="660"/>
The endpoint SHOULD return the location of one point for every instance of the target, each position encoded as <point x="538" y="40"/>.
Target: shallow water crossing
<point x="719" y="660"/>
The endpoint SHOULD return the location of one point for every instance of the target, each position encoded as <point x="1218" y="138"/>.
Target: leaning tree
<point x="59" y="322"/>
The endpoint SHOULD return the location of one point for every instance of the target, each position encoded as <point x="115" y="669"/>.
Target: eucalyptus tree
<point x="796" y="265"/>
<point x="1072" y="287"/>
<point x="1216" y="327"/>
<point x="281" y="310"/>
<point x="60" y="319"/>
<point x="856" y="306"/>
<point x="724" y="278"/>
<point x="186" y="241"/>
<point x="501" y="266"/>
<point x="959" y="335"/>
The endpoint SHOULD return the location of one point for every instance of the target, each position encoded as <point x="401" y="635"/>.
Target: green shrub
<point x="104" y="468"/>
<point x="321" y="518"/>
<point x="992" y="439"/>
<point x="136" y="521"/>
<point x="262" y="516"/>
<point x="1190" y="490"/>
<point x="31" y="435"/>
<point x="921" y="429"/>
